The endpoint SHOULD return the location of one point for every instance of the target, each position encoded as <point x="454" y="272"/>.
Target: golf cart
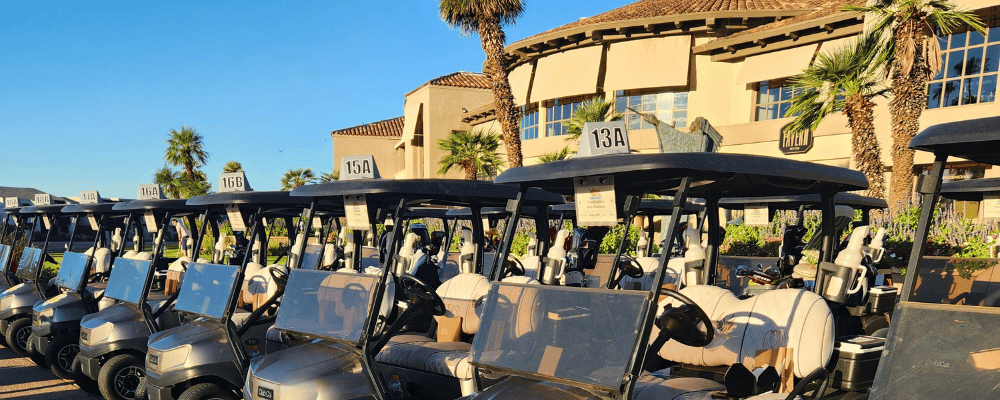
<point x="16" y="303"/>
<point x="206" y="356"/>
<point x="113" y="340"/>
<point x="80" y="283"/>
<point x="561" y="342"/>
<point x="11" y="232"/>
<point x="937" y="351"/>
<point x="354" y="316"/>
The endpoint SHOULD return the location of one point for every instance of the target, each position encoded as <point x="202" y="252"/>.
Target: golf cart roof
<point x="714" y="174"/>
<point x="95" y="208"/>
<point x="46" y="209"/>
<point x="455" y="192"/>
<point x="493" y="212"/>
<point x="970" y="189"/>
<point x="270" y="198"/>
<point x="11" y="210"/>
<point x="424" y="212"/>
<point x="174" y="205"/>
<point x="975" y="140"/>
<point x="808" y="200"/>
<point x="646" y="207"/>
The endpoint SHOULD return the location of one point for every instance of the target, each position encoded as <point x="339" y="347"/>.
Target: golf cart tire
<point x="204" y="391"/>
<point x="12" y="331"/>
<point x="109" y="374"/>
<point x="59" y="355"/>
<point x="83" y="381"/>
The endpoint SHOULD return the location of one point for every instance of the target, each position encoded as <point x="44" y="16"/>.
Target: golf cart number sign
<point x="604" y="138"/>
<point x="11" y="202"/>
<point x="756" y="215"/>
<point x="991" y="205"/>
<point x="89" y="197"/>
<point x="358" y="167"/>
<point x="150" y="191"/>
<point x="233" y="182"/>
<point x="356" y="211"/>
<point x="236" y="218"/>
<point x="595" y="201"/>
<point x="42" y="200"/>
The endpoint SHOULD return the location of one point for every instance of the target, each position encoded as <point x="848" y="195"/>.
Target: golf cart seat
<point x="530" y="264"/>
<point x="460" y="295"/>
<point x="175" y="272"/>
<point x="744" y="329"/>
<point x="252" y="268"/>
<point x="524" y="280"/>
<point x="261" y="286"/>
<point x="329" y="255"/>
<point x="649" y="265"/>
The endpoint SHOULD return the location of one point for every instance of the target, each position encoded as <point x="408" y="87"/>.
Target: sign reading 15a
<point x="358" y="167"/>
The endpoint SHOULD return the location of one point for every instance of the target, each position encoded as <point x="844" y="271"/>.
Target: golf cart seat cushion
<point x="129" y="254"/>
<point x="792" y="318"/>
<point x="240" y="316"/>
<point x="531" y="264"/>
<point x="261" y="285"/>
<point x="424" y="354"/>
<point x="460" y="295"/>
<point x="652" y="387"/>
<point x="251" y="271"/>
<point x="102" y="260"/>
<point x="329" y="255"/>
<point x="524" y="280"/>
<point x="143" y="256"/>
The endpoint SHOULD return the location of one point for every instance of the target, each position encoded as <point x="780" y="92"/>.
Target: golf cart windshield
<point x="206" y="288"/>
<point x="4" y="256"/>
<point x="28" y="266"/>
<point x="579" y="335"/>
<point x="72" y="270"/>
<point x="127" y="279"/>
<point x="310" y="259"/>
<point x="331" y="305"/>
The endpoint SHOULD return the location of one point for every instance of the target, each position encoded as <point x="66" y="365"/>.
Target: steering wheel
<point x="819" y="374"/>
<point x="631" y="267"/>
<point x="681" y="323"/>
<point x="512" y="267"/>
<point x="279" y="275"/>
<point x="421" y="295"/>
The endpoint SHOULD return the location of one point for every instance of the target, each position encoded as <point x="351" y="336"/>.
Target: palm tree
<point x="846" y="80"/>
<point x="330" y="176"/>
<point x="593" y="110"/>
<point x="232" y="166"/>
<point x="555" y="155"/>
<point x="297" y="177"/>
<point x="186" y="148"/>
<point x="167" y="178"/>
<point x="475" y="153"/>
<point x="907" y="28"/>
<point x="486" y="18"/>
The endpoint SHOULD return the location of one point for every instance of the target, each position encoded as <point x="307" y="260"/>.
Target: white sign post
<point x="600" y="138"/>
<point x="358" y="167"/>
<point x="595" y="201"/>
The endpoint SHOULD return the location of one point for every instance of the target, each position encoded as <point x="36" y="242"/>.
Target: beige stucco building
<point x="680" y="59"/>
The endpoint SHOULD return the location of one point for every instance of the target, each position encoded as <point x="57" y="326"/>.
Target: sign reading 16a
<point x="358" y="167"/>
<point x="608" y="137"/>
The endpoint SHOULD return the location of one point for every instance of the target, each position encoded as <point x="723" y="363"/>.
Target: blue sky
<point x="89" y="90"/>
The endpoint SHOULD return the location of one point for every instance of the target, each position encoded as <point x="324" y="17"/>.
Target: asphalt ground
<point x="20" y="378"/>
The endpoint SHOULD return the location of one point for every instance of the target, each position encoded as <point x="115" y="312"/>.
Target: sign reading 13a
<point x="604" y="138"/>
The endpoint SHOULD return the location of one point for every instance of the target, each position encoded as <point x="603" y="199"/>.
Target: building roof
<point x="471" y="80"/>
<point x="483" y="113"/>
<point x="385" y="128"/>
<point x="830" y="8"/>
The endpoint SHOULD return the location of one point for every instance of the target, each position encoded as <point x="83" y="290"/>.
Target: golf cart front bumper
<point x="90" y="366"/>
<point x="39" y="343"/>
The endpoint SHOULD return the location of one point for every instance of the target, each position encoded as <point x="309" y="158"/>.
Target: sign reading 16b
<point x="232" y="182"/>
<point x="608" y="137"/>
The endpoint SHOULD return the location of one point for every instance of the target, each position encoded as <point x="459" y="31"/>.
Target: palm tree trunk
<point x="493" y="39"/>
<point x="864" y="144"/>
<point x="189" y="169"/>
<point x="470" y="169"/>
<point x="909" y="97"/>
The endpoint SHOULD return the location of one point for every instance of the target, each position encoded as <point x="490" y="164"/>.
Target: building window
<point x="529" y="124"/>
<point x="669" y="107"/>
<point x="969" y="70"/>
<point x="558" y="113"/>
<point x="773" y="100"/>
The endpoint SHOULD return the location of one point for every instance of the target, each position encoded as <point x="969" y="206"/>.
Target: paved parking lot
<point x="22" y="379"/>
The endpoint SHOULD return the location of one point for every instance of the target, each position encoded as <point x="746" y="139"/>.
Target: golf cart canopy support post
<point x="930" y="190"/>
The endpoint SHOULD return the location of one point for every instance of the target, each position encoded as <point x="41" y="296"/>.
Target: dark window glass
<point x="934" y="95"/>
<point x="989" y="90"/>
<point x="970" y="91"/>
<point x="955" y="61"/>
<point x="951" y="90"/>
<point x="974" y="61"/>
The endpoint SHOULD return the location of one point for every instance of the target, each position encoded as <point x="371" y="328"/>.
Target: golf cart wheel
<point x="121" y="377"/>
<point x="18" y="333"/>
<point x="36" y="357"/>
<point x="207" y="391"/>
<point x="60" y="353"/>
<point x="82" y="380"/>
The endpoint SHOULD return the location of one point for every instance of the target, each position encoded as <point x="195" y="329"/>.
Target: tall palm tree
<point x="297" y="177"/>
<point x="593" y="110"/>
<point x="848" y="80"/>
<point x="476" y="153"/>
<point x="330" y="176"/>
<point x="907" y="28"/>
<point x="554" y="156"/>
<point x="167" y="178"/>
<point x="232" y="166"/>
<point x="186" y="148"/>
<point x="486" y="18"/>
